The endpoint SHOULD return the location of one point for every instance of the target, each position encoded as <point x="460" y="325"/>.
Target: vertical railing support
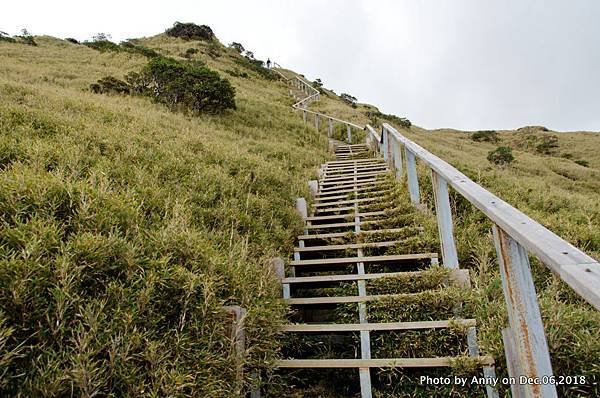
<point x="444" y="220"/>
<point x="304" y="116"/>
<point x="313" y="186"/>
<point x="524" y="318"/>
<point x="349" y="134"/>
<point x="384" y="143"/>
<point x="413" y="181"/>
<point x="398" y="160"/>
<point x="317" y="122"/>
<point x="237" y="336"/>
<point x="330" y="128"/>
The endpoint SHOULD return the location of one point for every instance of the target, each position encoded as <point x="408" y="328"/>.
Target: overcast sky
<point x="466" y="64"/>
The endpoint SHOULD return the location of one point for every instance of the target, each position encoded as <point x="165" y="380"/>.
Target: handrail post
<point x="317" y="122"/>
<point x="398" y="159"/>
<point x="413" y="181"/>
<point x="444" y="220"/>
<point x="526" y="328"/>
<point x="330" y="129"/>
<point x="349" y="134"/>
<point x="384" y="139"/>
<point x="304" y="116"/>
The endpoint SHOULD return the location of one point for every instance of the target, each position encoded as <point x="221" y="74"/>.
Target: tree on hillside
<point x="349" y="99"/>
<point x="237" y="47"/>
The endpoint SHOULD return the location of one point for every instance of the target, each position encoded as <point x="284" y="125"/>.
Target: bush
<point x="485" y="135"/>
<point x="547" y="145"/>
<point x="26" y="38"/>
<point x="375" y="115"/>
<point x="133" y="48"/>
<point x="213" y="50"/>
<point x="190" y="85"/>
<point x="189" y="53"/>
<point x="102" y="45"/>
<point x="237" y="73"/>
<point x="110" y="85"/>
<point x="72" y="40"/>
<point x="256" y="65"/>
<point x="6" y="37"/>
<point x="237" y="47"/>
<point x="583" y="163"/>
<point x="190" y="31"/>
<point x="501" y="156"/>
<point x="349" y="99"/>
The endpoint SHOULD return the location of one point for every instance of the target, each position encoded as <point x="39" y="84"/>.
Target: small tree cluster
<point x="485" y="136"/>
<point x="110" y="85"/>
<point x="24" y="38"/>
<point x="349" y="99"/>
<point x="237" y="47"/>
<point x="501" y="156"/>
<point x="547" y="144"/>
<point x="375" y="116"/>
<point x="190" y="31"/>
<point x="179" y="85"/>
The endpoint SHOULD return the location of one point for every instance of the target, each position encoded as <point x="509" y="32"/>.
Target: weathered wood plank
<point x="376" y="363"/>
<point x="355" y="327"/>
<point x="365" y="259"/>
<point x="346" y="246"/>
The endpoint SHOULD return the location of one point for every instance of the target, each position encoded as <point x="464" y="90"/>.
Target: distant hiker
<point x="268" y="63"/>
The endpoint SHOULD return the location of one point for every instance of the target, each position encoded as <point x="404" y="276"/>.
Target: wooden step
<point x="346" y="215"/>
<point x="342" y="299"/>
<point x="351" y="176"/>
<point x="361" y="191"/>
<point x="340" y="224"/>
<point x="346" y="246"/>
<point x="353" y="185"/>
<point x="364" y="259"/>
<point x="458" y="277"/>
<point x="350" y="180"/>
<point x="351" y="169"/>
<point x="345" y="202"/>
<point x="350" y="233"/>
<point x="378" y="363"/>
<point x="355" y="327"/>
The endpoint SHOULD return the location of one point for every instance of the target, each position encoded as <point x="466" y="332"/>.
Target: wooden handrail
<point x="572" y="265"/>
<point x="515" y="235"/>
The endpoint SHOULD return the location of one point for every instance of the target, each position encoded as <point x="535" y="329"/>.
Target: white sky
<point x="466" y="64"/>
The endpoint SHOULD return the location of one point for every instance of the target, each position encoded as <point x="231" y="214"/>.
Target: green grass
<point x="126" y="227"/>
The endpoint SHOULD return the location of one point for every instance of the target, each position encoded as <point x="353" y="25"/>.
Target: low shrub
<point x="349" y="99"/>
<point x="501" y="156"/>
<point x="583" y="163"/>
<point x="135" y="48"/>
<point x="6" y="37"/>
<point x="189" y="53"/>
<point x="102" y="45"/>
<point x="485" y="136"/>
<point x="179" y="85"/>
<point x="189" y="85"/>
<point x="256" y="65"/>
<point x="375" y="116"/>
<point x="547" y="144"/>
<point x="72" y="40"/>
<point x="236" y="73"/>
<point x="110" y="85"/>
<point x="190" y="31"/>
<point x="237" y="47"/>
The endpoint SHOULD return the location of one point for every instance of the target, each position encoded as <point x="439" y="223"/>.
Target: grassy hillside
<point x="125" y="226"/>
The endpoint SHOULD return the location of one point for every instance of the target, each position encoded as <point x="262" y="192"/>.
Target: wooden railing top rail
<point x="576" y="268"/>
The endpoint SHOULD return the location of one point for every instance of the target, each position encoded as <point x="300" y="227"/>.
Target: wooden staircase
<point x="348" y="184"/>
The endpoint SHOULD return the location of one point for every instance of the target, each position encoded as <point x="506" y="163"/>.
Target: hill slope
<point x="126" y="227"/>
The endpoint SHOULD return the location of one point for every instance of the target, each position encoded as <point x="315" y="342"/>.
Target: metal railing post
<point x="444" y="220"/>
<point x="526" y="328"/>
